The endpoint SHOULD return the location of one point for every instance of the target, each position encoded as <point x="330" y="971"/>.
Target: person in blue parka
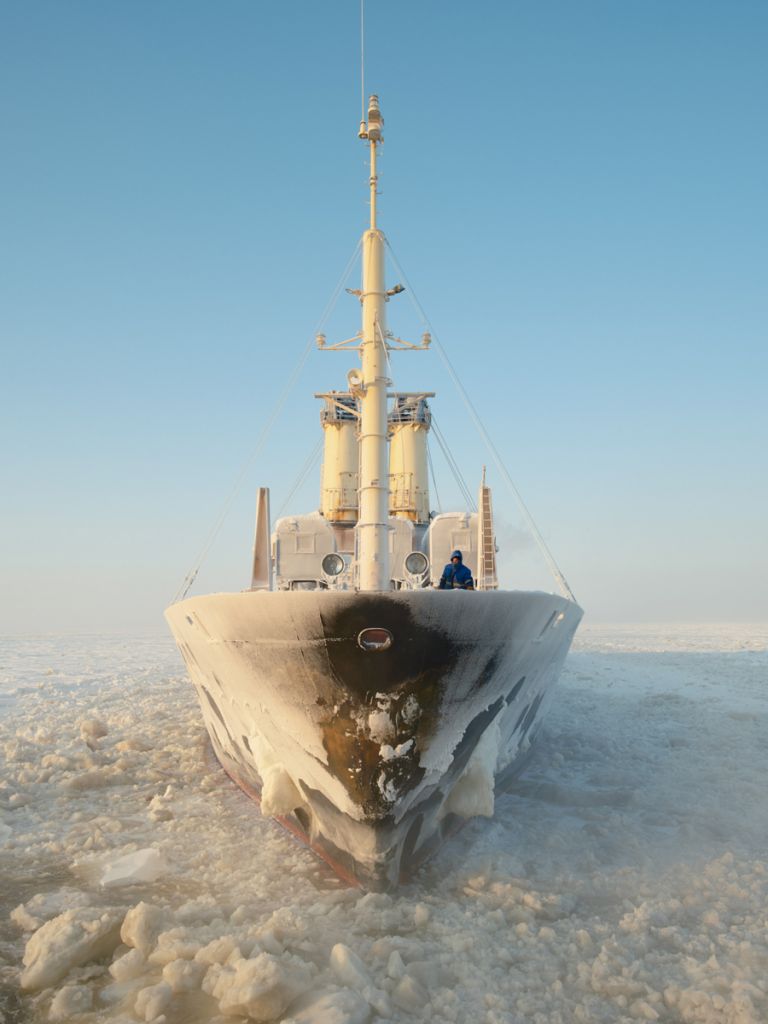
<point x="456" y="576"/>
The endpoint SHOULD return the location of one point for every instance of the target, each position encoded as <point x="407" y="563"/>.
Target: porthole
<point x="375" y="638"/>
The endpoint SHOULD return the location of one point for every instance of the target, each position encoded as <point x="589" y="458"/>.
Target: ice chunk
<point x="395" y="965"/>
<point x="121" y="992"/>
<point x="349" y="968"/>
<point x="142" y="925"/>
<point x="133" y="744"/>
<point x="175" y="944"/>
<point x="473" y="794"/>
<point x="184" y="975"/>
<point x="96" y="778"/>
<point x="159" y="809"/>
<point x="92" y="730"/>
<point x="342" y="1007"/>
<point x="151" y="1001"/>
<point x="69" y="1001"/>
<point x="260" y="988"/>
<point x="69" y="940"/>
<point x="410" y="995"/>
<point x="55" y="761"/>
<point x="240" y="914"/>
<point x="387" y="787"/>
<point x="279" y="794"/>
<point x="431" y="974"/>
<point x="269" y="942"/>
<point x="410" y="710"/>
<point x="642" y="1010"/>
<point x="42" y="907"/>
<point x="19" y="750"/>
<point x="380" y="727"/>
<point x="218" y="951"/>
<point x="142" y="866"/>
<point x="421" y="914"/>
<point x="388" y="753"/>
<point x="129" y="966"/>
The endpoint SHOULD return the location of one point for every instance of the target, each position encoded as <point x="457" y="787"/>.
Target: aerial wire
<point x="434" y="478"/>
<point x="453" y="466"/>
<point x="362" y="59"/>
<point x="493" y="451"/>
<point x="191" y="576"/>
<point x="302" y="475"/>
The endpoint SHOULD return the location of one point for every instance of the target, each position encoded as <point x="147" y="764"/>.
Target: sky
<point x="575" y="192"/>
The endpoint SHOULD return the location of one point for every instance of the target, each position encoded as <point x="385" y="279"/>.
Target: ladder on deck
<point x="486" y="542"/>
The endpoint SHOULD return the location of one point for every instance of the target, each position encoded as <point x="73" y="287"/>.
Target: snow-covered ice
<point x="133" y="868"/>
<point x="624" y="878"/>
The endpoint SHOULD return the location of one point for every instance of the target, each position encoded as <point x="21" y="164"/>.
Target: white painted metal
<point x="448" y="531"/>
<point x="261" y="575"/>
<point x="401" y="544"/>
<point x="372" y="526"/>
<point x="300" y="543"/>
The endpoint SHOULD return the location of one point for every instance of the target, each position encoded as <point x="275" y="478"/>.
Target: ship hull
<point x="373" y="756"/>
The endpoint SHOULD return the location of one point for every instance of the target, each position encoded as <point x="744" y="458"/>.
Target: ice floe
<point x="624" y="878"/>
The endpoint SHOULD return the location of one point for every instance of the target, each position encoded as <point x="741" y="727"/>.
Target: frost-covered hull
<point x="372" y="757"/>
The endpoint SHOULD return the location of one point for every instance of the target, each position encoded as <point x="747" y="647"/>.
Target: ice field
<point x="624" y="878"/>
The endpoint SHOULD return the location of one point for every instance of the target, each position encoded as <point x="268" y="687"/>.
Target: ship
<point x="368" y="710"/>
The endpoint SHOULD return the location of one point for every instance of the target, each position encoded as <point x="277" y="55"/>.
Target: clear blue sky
<point x="577" y="192"/>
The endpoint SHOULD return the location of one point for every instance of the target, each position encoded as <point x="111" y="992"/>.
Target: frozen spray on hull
<point x="373" y="755"/>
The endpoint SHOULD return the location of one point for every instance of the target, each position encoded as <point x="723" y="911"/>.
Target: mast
<point x="372" y="525"/>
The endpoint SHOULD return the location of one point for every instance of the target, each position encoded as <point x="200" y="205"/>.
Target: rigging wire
<point x="453" y="466"/>
<point x="493" y="451"/>
<point x="309" y="463"/>
<point x="434" y="478"/>
<point x="191" y="576"/>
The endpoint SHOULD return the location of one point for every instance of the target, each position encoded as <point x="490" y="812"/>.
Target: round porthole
<point x="374" y="638"/>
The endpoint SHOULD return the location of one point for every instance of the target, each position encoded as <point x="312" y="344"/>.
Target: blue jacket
<point x="456" y="577"/>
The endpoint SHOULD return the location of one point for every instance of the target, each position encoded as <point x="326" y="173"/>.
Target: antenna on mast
<point x="362" y="67"/>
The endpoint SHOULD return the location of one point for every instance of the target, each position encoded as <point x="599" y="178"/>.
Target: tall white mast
<point x="372" y="525"/>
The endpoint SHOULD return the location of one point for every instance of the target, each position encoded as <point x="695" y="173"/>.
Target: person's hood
<point x="457" y="554"/>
